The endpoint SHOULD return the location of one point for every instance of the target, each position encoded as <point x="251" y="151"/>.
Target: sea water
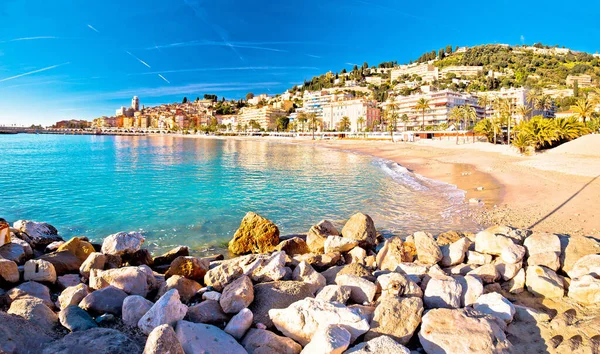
<point x="195" y="191"/>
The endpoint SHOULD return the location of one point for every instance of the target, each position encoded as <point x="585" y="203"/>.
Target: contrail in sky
<point x="33" y="72"/>
<point x="138" y="59"/>
<point x="29" y="39"/>
<point x="162" y="77"/>
<point x="93" y="29"/>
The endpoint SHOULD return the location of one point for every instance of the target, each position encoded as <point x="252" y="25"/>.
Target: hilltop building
<point x="135" y="103"/>
<point x="582" y="80"/>
<point x="427" y="71"/>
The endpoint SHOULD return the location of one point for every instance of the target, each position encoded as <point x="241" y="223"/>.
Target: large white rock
<point x="396" y="317"/>
<point x="39" y="270"/>
<point x="167" y="310"/>
<point x="507" y="270"/>
<point x="478" y="258"/>
<point x="9" y="271"/>
<point x="304" y="272"/>
<point x="205" y="338"/>
<point x="361" y="227"/>
<point x="445" y="293"/>
<point x="517" y="284"/>
<point x="487" y="273"/>
<point x="237" y="295"/>
<point x="472" y="289"/>
<point x="361" y="290"/>
<point x="37" y="233"/>
<point x="239" y="324"/>
<point x="163" y="340"/>
<point x="301" y="319"/>
<point x="544" y="282"/>
<point x="132" y="280"/>
<point x="585" y="289"/>
<point x="490" y="243"/>
<point x="396" y="284"/>
<point x="95" y="260"/>
<point x="428" y="251"/>
<point x="382" y="344"/>
<point x="134" y="308"/>
<point x="335" y="293"/>
<point x="543" y="249"/>
<point x="454" y="253"/>
<point x="513" y="254"/>
<point x="391" y="254"/>
<point x="72" y="295"/>
<point x="122" y="243"/>
<point x="496" y="305"/>
<point x="339" y="244"/>
<point x="462" y="331"/>
<point x="328" y="339"/>
<point x="589" y="264"/>
<point x="263" y="267"/>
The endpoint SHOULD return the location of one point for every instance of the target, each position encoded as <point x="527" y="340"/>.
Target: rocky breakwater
<point x="502" y="290"/>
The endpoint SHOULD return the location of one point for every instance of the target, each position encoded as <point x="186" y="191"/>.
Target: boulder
<point x="478" y="258"/>
<point x="487" y="273"/>
<point x="264" y="268"/>
<point x="255" y="235"/>
<point x="544" y="282"/>
<point x="543" y="249"/>
<point x="318" y="261"/>
<point x="339" y="244"/>
<point x="428" y="252"/>
<point x="462" y="331"/>
<point x="444" y="293"/>
<point x="211" y="295"/>
<point x="67" y="280"/>
<point x="351" y="269"/>
<point x="336" y="293"/>
<point x="106" y="300"/>
<point x="34" y="310"/>
<point x="204" y="338"/>
<point x="122" y="243"/>
<point x="163" y="340"/>
<point x="472" y="289"/>
<point x="64" y="262"/>
<point x="356" y="255"/>
<point x="237" y="295"/>
<point x="39" y="270"/>
<point x="18" y="335"/>
<point x="239" y="324"/>
<point x="167" y="310"/>
<point x="170" y="256"/>
<point x="507" y="271"/>
<point x="301" y="319"/>
<point x="412" y="271"/>
<point x="134" y="308"/>
<point x="448" y="237"/>
<point x="585" y="289"/>
<point x="573" y="248"/>
<point x="315" y="239"/>
<point x="95" y="260"/>
<point x="186" y="288"/>
<point x="328" y="339"/>
<point x="496" y="305"/>
<point x="396" y="284"/>
<point x="262" y="341"/>
<point x="361" y="290"/>
<point x="72" y="295"/>
<point x="304" y="272"/>
<point x="589" y="264"/>
<point x="13" y="252"/>
<point x="361" y="227"/>
<point x="4" y="232"/>
<point x="37" y="234"/>
<point x="190" y="267"/>
<point x="31" y="289"/>
<point x="397" y="318"/>
<point x="276" y="295"/>
<point x="381" y="344"/>
<point x="293" y="246"/>
<point x="132" y="280"/>
<point x="513" y="254"/>
<point x="208" y="311"/>
<point x="489" y="243"/>
<point x="94" y="341"/>
<point x="9" y="271"/>
<point x="517" y="284"/>
<point x="222" y="275"/>
<point x="53" y="246"/>
<point x="454" y="253"/>
<point x="79" y="247"/>
<point x="74" y="318"/>
<point x="112" y="261"/>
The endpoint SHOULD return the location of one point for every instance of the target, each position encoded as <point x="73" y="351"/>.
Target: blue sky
<point x="82" y="59"/>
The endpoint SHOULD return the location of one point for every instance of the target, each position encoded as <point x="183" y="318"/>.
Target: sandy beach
<point x="556" y="191"/>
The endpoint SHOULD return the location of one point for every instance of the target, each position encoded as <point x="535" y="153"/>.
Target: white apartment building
<point x="440" y="103"/>
<point x="313" y="101"/>
<point x="582" y="80"/>
<point x="256" y="99"/>
<point x="266" y="116"/>
<point x="375" y="80"/>
<point x="427" y="71"/>
<point x="468" y="71"/>
<point x="333" y="113"/>
<point x="518" y="97"/>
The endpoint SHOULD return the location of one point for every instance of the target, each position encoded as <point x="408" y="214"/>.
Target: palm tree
<point x="456" y="114"/>
<point x="524" y="111"/>
<point x="302" y="118"/>
<point x="312" y="118"/>
<point x="583" y="108"/>
<point x="484" y="102"/>
<point x="344" y="123"/>
<point x="500" y="112"/>
<point x="359" y="123"/>
<point x="422" y="106"/>
<point x="404" y="119"/>
<point x="392" y="117"/>
<point x="469" y="115"/>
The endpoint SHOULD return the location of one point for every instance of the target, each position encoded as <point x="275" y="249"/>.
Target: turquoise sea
<point x="196" y="191"/>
